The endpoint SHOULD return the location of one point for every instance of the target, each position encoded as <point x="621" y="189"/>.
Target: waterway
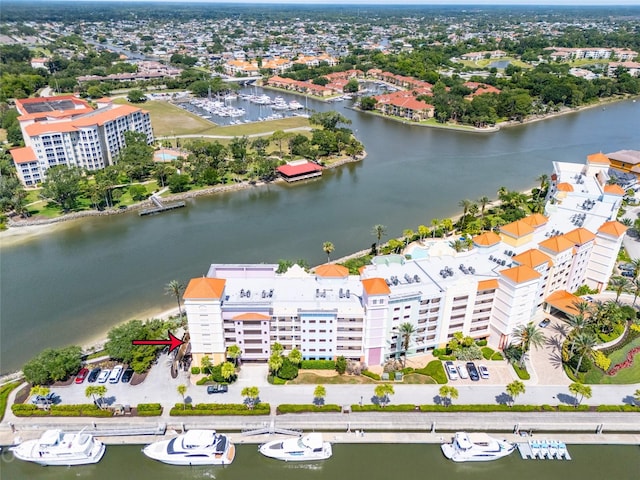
<point x="371" y="462"/>
<point x="71" y="285"/>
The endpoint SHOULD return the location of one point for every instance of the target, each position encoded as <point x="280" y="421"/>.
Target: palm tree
<point x="580" y="391"/>
<point x="318" y="395"/>
<point x="182" y="390"/>
<point x="635" y="285"/>
<point x="227" y="370"/>
<point x="175" y="288"/>
<point x="627" y="222"/>
<point x="619" y="284"/>
<point x="447" y="393"/>
<point x="328" y="248"/>
<point x="408" y="235"/>
<point x="583" y="344"/>
<point x="251" y="395"/>
<point x="483" y="201"/>
<point x="99" y="390"/>
<point x="423" y="231"/>
<point x="544" y="182"/>
<point x="636" y="267"/>
<point x="514" y="389"/>
<point x="636" y="396"/>
<point x="458" y="245"/>
<point x="382" y="392"/>
<point x="406" y="330"/>
<point x="295" y="356"/>
<point x="275" y="363"/>
<point x="435" y="223"/>
<point x="379" y="231"/>
<point x="528" y="335"/>
<point x="583" y="307"/>
<point x="465" y="204"/>
<point x="205" y="365"/>
<point x="578" y="323"/>
<point x="447" y="225"/>
<point x="234" y="352"/>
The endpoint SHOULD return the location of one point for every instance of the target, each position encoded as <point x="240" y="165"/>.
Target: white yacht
<point x="196" y="447"/>
<point x="308" y="448"/>
<point x="55" y="447"/>
<point x="476" y="447"/>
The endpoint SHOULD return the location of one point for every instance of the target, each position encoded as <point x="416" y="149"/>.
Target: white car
<point x="104" y="375"/>
<point x="451" y="370"/>
<point x="484" y="371"/>
<point x="462" y="371"/>
<point x="114" y="377"/>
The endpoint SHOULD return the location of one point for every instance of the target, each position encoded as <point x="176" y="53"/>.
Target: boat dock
<point x="160" y="207"/>
<point x="543" y="450"/>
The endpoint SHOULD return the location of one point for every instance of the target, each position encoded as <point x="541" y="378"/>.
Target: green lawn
<point x="306" y="378"/>
<point x="624" y="376"/>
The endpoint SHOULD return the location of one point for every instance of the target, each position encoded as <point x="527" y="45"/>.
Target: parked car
<point x="104" y="375"/>
<point x="544" y="323"/>
<point x="627" y="273"/>
<point x="126" y="376"/>
<point x="473" y="371"/>
<point x="48" y="399"/>
<point x="462" y="372"/>
<point x="114" y="376"/>
<point x="93" y="376"/>
<point x="82" y="374"/>
<point x="217" y="388"/>
<point x="451" y="370"/>
<point x="484" y="371"/>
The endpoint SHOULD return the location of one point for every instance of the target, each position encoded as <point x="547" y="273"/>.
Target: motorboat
<point x="195" y="447"/>
<point x="306" y="448"/>
<point x="56" y="447"/>
<point x="476" y="447"/>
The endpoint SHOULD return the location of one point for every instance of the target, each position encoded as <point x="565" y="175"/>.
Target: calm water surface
<point x="350" y="462"/>
<point x="72" y="285"/>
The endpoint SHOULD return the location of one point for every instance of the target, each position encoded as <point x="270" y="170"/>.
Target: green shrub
<point x="571" y="408"/>
<point x="341" y="365"/>
<point x="439" y="351"/>
<point x="82" y="410"/>
<point x="276" y="380"/>
<point x="318" y="365"/>
<point x="408" y="370"/>
<point x="445" y="358"/>
<point x="149" y="409"/>
<point x="547" y="408"/>
<point x="26" y="410"/>
<point x="601" y="360"/>
<point x="378" y="408"/>
<point x="202" y="409"/>
<point x="305" y="408"/>
<point x="195" y="370"/>
<point x="497" y="356"/>
<point x="288" y="370"/>
<point x="481" y="342"/>
<point x="203" y="380"/>
<point x="369" y="374"/>
<point x="617" y="408"/>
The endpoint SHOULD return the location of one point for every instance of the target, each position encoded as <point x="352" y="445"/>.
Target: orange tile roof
<point x="564" y="187"/>
<point x="204" y="287"/>
<point x="579" y="236"/>
<point x="613" y="228"/>
<point x="614" y="190"/>
<point x="520" y="274"/>
<point x="491" y="284"/>
<point x="103" y="116"/>
<point x="535" y="220"/>
<point x="598" y="158"/>
<point x="40" y="128"/>
<point x="533" y="258"/>
<point x="251" y="316"/>
<point x="23" y="155"/>
<point x="557" y="244"/>
<point x="517" y="229"/>
<point x="332" y="270"/>
<point x="563" y="301"/>
<point x="486" y="239"/>
<point x="376" y="286"/>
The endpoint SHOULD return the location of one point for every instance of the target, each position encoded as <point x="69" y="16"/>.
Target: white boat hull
<point x="291" y="450"/>
<point x="460" y="450"/>
<point x="29" y="452"/>
<point x="171" y="453"/>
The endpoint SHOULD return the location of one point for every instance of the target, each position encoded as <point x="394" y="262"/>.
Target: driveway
<point x="546" y="361"/>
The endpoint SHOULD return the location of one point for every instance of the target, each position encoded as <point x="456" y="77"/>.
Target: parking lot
<point x="500" y="373"/>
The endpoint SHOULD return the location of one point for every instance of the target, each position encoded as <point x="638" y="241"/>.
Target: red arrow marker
<point x="173" y="342"/>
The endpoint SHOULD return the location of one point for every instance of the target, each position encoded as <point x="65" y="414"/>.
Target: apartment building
<point x="526" y="267"/>
<point x="67" y="131"/>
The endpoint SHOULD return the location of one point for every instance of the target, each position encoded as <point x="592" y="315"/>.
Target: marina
<point x="543" y="450"/>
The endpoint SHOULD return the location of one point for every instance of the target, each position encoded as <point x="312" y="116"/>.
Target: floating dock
<point x="161" y="207"/>
<point x="543" y="450"/>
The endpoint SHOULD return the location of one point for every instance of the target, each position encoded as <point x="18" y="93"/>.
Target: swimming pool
<point x="419" y="252"/>
<point x="165" y="157"/>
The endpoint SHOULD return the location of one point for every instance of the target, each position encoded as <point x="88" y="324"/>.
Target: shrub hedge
<point x="307" y="408"/>
<point x="149" y="409"/>
<point x="318" y="365"/>
<point x="521" y="372"/>
<point x="195" y="370"/>
<point x="82" y="410"/>
<point x="201" y="409"/>
<point x="487" y="353"/>
<point x="378" y="408"/>
<point x="618" y="408"/>
<point x="369" y="374"/>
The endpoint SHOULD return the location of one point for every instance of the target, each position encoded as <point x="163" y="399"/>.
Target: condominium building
<point x="526" y="267"/>
<point x="67" y="131"/>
